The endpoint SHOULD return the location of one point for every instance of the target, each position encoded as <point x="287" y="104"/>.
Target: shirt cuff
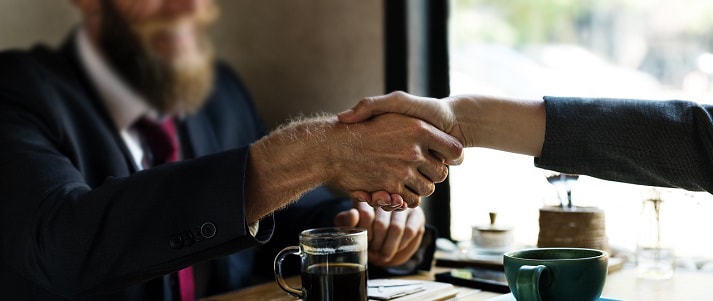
<point x="253" y="228"/>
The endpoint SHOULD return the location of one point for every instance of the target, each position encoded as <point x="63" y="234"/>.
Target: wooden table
<point x="622" y="285"/>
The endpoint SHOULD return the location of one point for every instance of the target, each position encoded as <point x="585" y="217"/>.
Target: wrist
<point x="511" y="125"/>
<point x="465" y="111"/>
<point x="332" y="152"/>
<point x="297" y="150"/>
<point x="282" y="166"/>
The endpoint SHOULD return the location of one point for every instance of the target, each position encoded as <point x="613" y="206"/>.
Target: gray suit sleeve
<point x="657" y="143"/>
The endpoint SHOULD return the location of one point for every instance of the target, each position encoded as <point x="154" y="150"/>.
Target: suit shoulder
<point x="20" y="61"/>
<point x="33" y="78"/>
<point x="225" y="72"/>
<point x="228" y="80"/>
<point x="20" y="68"/>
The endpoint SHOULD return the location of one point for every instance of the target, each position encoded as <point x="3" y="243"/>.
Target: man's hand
<point x="439" y="113"/>
<point x="393" y="236"/>
<point x="505" y="124"/>
<point x="394" y="153"/>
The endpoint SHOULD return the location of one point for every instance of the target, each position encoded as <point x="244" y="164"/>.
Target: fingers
<point x="444" y="146"/>
<point x="405" y="232"/>
<point x="372" y="106"/>
<point x="361" y="196"/>
<point x="380" y="198"/>
<point x="437" y="112"/>
<point x="393" y="236"/>
<point x="407" y="252"/>
<point x="379" y="226"/>
<point x="388" y="202"/>
<point x="411" y="240"/>
<point x="434" y="170"/>
<point x="415" y="225"/>
<point x="366" y="218"/>
<point x="398" y="201"/>
<point x="411" y="199"/>
<point x="406" y="157"/>
<point x="347" y="218"/>
<point x="392" y="241"/>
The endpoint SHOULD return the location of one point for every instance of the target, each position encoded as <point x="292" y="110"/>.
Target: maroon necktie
<point x="163" y="144"/>
<point x="161" y="140"/>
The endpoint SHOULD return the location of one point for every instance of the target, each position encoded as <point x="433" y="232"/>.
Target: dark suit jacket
<point x="658" y="143"/>
<point x="77" y="218"/>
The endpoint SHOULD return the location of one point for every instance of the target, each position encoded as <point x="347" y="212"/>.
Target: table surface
<point x="623" y="285"/>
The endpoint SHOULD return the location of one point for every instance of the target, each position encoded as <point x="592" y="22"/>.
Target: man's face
<point x="161" y="49"/>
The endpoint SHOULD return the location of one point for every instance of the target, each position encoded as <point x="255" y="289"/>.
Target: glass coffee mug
<point x="334" y="265"/>
<point x="556" y="274"/>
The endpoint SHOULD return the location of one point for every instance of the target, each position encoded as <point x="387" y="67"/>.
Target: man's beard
<point x="169" y="86"/>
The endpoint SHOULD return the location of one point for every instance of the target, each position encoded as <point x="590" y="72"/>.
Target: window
<point x="616" y="48"/>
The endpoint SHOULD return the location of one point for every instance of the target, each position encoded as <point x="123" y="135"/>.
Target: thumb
<point x="372" y="106"/>
<point x="347" y="218"/>
<point x="356" y="114"/>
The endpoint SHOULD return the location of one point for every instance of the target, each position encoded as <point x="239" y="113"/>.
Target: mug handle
<point x="293" y="250"/>
<point x="527" y="282"/>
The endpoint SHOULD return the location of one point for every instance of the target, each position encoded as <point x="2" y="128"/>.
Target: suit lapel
<point x="198" y="135"/>
<point x="69" y="51"/>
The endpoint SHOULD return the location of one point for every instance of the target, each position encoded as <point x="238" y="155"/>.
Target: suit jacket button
<point x="197" y="236"/>
<point x="208" y="230"/>
<point x="176" y="242"/>
<point x="187" y="238"/>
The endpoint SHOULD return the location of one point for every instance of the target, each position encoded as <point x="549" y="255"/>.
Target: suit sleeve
<point x="74" y="239"/>
<point x="658" y="143"/>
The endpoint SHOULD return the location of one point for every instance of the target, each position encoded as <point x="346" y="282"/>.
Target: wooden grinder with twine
<point x="572" y="226"/>
<point x="576" y="227"/>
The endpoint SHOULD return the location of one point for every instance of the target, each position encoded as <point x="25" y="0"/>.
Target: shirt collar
<point x="124" y="105"/>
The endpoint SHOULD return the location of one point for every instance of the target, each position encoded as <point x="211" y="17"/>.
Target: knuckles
<point x="409" y="233"/>
<point x="456" y="149"/>
<point x="442" y="173"/>
<point x="413" y="154"/>
<point x="365" y="102"/>
<point x="399" y="95"/>
<point x="379" y="225"/>
<point x="366" y="215"/>
<point x="399" y="228"/>
<point x="430" y="188"/>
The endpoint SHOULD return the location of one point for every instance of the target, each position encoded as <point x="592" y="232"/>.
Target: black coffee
<point x="335" y="282"/>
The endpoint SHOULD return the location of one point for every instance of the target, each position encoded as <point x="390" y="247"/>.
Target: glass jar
<point x="655" y="257"/>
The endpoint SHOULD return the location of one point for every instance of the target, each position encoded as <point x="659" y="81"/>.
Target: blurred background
<point x="296" y="56"/>
<point x="607" y="48"/>
<point x="304" y="56"/>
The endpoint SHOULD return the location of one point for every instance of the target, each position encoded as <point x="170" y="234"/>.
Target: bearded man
<point x="133" y="166"/>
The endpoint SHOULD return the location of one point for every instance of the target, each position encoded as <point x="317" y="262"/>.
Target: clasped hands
<point x="400" y="158"/>
<point x="432" y="141"/>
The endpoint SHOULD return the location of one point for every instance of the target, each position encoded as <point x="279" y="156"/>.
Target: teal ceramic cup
<point x="556" y="274"/>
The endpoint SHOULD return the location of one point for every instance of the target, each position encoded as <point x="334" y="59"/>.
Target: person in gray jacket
<point x="657" y="143"/>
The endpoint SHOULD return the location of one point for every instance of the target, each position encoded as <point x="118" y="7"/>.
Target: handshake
<point x="399" y="157"/>
<point x="388" y="150"/>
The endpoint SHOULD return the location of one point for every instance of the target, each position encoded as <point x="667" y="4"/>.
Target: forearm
<point x="284" y="165"/>
<point x="505" y="124"/>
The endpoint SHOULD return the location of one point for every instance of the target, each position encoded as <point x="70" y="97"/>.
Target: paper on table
<point x="405" y="290"/>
